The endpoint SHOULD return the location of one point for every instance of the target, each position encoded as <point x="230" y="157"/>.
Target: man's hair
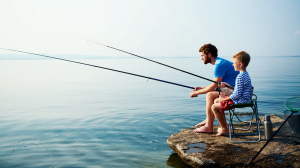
<point x="209" y="48"/>
<point x="242" y="57"/>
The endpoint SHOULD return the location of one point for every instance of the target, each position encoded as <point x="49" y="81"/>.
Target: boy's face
<point x="205" y="57"/>
<point x="237" y="65"/>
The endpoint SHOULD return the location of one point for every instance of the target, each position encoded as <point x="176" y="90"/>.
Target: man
<point x="223" y="72"/>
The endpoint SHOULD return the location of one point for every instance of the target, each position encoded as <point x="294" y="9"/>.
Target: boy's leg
<point x="222" y="111"/>
<point x="221" y="118"/>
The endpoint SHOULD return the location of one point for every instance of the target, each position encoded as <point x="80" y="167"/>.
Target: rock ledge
<point x="209" y="150"/>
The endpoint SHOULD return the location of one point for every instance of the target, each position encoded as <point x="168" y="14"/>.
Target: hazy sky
<point x="151" y="28"/>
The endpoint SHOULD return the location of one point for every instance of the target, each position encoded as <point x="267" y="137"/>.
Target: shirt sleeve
<point x="219" y="70"/>
<point x="238" y="90"/>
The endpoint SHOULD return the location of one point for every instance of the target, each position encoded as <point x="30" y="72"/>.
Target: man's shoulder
<point x="223" y="63"/>
<point x="220" y="60"/>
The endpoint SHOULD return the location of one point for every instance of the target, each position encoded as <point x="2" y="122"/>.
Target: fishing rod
<point x="161" y="64"/>
<point x="102" y="68"/>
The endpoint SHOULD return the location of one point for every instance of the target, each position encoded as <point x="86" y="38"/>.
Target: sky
<point x="150" y="28"/>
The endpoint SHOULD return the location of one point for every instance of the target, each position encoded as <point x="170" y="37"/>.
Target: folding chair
<point x="254" y="116"/>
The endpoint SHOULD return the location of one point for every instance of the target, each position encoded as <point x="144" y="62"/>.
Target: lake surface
<point x="61" y="114"/>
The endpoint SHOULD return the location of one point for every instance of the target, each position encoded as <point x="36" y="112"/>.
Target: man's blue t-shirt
<point x="224" y="68"/>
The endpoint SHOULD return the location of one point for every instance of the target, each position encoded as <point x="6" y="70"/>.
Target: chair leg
<point x="256" y="123"/>
<point x="250" y="122"/>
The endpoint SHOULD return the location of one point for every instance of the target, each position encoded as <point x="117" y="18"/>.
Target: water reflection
<point x="175" y="161"/>
<point x="195" y="148"/>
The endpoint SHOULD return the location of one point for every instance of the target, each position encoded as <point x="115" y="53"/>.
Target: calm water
<point x="60" y="114"/>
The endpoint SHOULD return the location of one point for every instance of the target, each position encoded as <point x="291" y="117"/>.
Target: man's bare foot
<point x="201" y="124"/>
<point x="222" y="131"/>
<point x="203" y="129"/>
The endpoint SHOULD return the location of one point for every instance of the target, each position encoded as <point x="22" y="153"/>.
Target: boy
<point x="241" y="93"/>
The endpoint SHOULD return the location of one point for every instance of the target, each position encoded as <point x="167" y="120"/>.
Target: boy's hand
<point x="222" y="96"/>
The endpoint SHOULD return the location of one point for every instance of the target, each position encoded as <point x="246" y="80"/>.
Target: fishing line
<point x="293" y="105"/>
<point x="161" y="63"/>
<point x="103" y="68"/>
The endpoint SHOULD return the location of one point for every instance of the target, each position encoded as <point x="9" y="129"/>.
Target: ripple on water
<point x="73" y="119"/>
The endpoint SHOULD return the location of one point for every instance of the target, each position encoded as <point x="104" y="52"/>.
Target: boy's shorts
<point x="225" y="104"/>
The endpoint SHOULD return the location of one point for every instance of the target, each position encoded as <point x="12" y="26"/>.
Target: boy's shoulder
<point x="245" y="77"/>
<point x="244" y="73"/>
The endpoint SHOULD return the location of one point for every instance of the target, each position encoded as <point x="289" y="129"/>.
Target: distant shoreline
<point x="69" y="56"/>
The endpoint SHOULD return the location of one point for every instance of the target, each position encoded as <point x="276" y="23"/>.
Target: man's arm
<point x="206" y="89"/>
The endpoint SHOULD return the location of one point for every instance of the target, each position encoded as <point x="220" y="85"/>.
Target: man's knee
<point x="211" y="96"/>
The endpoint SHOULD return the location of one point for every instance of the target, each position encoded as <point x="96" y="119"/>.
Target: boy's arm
<point x="226" y="99"/>
<point x="238" y="90"/>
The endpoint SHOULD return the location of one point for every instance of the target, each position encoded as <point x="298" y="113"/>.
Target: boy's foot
<point x="222" y="131"/>
<point x="201" y="124"/>
<point x="203" y="129"/>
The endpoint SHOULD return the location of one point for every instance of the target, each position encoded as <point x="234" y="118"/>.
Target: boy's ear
<point x="241" y="65"/>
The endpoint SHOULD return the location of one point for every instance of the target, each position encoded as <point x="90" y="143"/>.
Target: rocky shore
<point x="209" y="150"/>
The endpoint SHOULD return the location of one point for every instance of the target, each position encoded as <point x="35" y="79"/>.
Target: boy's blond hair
<point x="242" y="57"/>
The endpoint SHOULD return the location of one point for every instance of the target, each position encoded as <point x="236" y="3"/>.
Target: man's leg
<point x="209" y="121"/>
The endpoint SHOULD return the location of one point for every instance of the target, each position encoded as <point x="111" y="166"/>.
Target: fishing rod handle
<point x="230" y="87"/>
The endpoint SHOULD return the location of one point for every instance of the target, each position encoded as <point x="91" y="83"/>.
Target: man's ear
<point x="209" y="55"/>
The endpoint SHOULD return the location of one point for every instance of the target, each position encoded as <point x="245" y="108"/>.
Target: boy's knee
<point x="213" y="107"/>
<point x="216" y="101"/>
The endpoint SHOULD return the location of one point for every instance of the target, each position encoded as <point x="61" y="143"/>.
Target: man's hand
<point x="197" y="88"/>
<point x="223" y="84"/>
<point x="193" y="94"/>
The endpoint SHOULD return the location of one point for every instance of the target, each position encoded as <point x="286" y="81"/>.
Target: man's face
<point x="206" y="59"/>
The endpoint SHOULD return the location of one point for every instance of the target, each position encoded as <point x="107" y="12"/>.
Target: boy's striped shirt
<point x="243" y="89"/>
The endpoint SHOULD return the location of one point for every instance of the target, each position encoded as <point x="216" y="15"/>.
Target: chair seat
<point x="243" y="105"/>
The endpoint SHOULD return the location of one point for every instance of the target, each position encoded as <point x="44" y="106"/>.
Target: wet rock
<point x="209" y="150"/>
